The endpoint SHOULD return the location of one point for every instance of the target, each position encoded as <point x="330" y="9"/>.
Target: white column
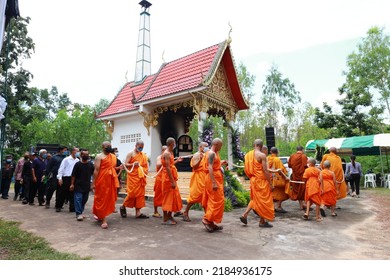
<point x="230" y="146"/>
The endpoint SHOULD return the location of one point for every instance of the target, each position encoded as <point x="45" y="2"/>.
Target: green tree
<point x="364" y="96"/>
<point x="77" y="128"/>
<point x="101" y="106"/>
<point x="368" y="70"/>
<point x="279" y="97"/>
<point x="14" y="80"/>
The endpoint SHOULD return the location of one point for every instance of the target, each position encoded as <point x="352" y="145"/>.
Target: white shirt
<point x="66" y="167"/>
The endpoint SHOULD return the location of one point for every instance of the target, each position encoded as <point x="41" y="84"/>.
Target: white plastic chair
<point x="386" y="181"/>
<point x="369" y="179"/>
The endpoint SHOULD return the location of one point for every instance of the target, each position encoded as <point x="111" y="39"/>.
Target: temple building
<point x="156" y="106"/>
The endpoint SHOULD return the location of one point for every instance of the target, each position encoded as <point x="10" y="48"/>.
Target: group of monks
<point x="206" y="184"/>
<point x="269" y="183"/>
<point x="321" y="185"/>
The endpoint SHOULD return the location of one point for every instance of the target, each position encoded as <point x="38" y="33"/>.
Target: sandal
<point x="104" y="226"/>
<point x="186" y="218"/>
<point x="265" y="225"/>
<point x="305" y="217"/>
<point x="97" y="218"/>
<point x="169" y="223"/>
<point x="322" y="210"/>
<point x="319" y="220"/>
<point x="123" y="212"/>
<point x="218" y="227"/>
<point x="208" y="226"/>
<point x="244" y="220"/>
<point x="334" y="214"/>
<point x="156" y="215"/>
<point x="280" y="210"/>
<point x="142" y="216"/>
<point x="177" y="214"/>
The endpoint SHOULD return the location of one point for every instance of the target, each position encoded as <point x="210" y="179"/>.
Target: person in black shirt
<point x="51" y="174"/>
<point x="27" y="178"/>
<point x="7" y="174"/>
<point x="38" y="173"/>
<point x="81" y="183"/>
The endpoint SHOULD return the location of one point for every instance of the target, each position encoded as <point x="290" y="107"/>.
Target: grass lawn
<point x="16" y="244"/>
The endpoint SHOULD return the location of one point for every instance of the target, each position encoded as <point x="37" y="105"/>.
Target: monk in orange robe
<point x="329" y="195"/>
<point x="313" y="189"/>
<point x="214" y="199"/>
<point x="104" y="184"/>
<point x="298" y="163"/>
<point x="337" y="167"/>
<point x="260" y="184"/>
<point x="171" y="196"/>
<point x="275" y="166"/>
<point x="197" y="182"/>
<point x="157" y="200"/>
<point x="137" y="169"/>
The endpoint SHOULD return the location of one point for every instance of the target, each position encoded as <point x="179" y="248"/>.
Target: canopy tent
<point x="377" y="144"/>
<point x="357" y="145"/>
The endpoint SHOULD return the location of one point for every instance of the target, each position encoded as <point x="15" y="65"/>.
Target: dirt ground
<point x="359" y="232"/>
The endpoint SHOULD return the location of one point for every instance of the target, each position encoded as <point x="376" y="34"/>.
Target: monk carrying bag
<point x="278" y="180"/>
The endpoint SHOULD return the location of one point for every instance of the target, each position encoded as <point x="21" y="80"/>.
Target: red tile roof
<point x="182" y="74"/>
<point x="123" y="101"/>
<point x="179" y="75"/>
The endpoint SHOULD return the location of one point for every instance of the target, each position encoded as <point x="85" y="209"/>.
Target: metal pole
<point x="3" y="121"/>
<point x="380" y="155"/>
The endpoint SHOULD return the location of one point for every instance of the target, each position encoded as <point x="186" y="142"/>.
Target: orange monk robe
<point x="136" y="182"/>
<point x="298" y="163"/>
<point x="337" y="167"/>
<point x="249" y="169"/>
<point x="261" y="196"/>
<point x="158" y="196"/>
<point x="313" y="189"/>
<point x="329" y="196"/>
<point x="279" y="193"/>
<point x="213" y="201"/>
<point x="171" y="201"/>
<point x="197" y="182"/>
<point x="106" y="184"/>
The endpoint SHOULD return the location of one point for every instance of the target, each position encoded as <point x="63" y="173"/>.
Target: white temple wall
<point x="127" y="131"/>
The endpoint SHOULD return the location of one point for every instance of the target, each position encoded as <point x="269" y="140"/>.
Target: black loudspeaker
<point x="270" y="137"/>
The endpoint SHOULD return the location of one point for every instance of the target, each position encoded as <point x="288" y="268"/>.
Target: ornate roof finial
<point x="127" y="81"/>
<point x="162" y="56"/>
<point x="230" y="31"/>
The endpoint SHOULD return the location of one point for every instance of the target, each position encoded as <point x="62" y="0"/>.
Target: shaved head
<point x="258" y="143"/>
<point x="312" y="161"/>
<point x="327" y="164"/>
<point x="203" y="144"/>
<point x="333" y="150"/>
<point x="163" y="148"/>
<point x="170" y="141"/>
<point x="216" y="141"/>
<point x="139" y="142"/>
<point x="106" y="144"/>
<point x="299" y="148"/>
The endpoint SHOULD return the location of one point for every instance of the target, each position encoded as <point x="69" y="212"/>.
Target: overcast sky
<point x="87" y="47"/>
